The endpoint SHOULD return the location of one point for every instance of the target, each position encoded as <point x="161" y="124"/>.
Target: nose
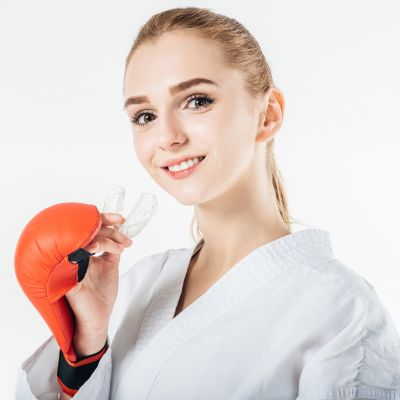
<point x="170" y="131"/>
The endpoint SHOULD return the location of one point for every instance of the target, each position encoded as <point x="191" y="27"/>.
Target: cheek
<point x="143" y="150"/>
<point x="233" y="138"/>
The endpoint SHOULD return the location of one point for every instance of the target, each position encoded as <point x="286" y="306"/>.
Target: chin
<point x="187" y="200"/>
<point x="187" y="196"/>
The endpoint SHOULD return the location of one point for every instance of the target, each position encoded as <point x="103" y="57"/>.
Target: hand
<point x="92" y="299"/>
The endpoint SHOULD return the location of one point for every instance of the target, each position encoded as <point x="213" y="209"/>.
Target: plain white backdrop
<point x="64" y="136"/>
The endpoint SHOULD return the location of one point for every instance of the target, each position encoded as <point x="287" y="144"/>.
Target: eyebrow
<point x="174" y="89"/>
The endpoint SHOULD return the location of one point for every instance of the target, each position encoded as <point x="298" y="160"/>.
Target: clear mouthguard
<point x="141" y="214"/>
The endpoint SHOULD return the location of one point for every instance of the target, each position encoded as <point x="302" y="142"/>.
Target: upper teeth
<point x="185" y="164"/>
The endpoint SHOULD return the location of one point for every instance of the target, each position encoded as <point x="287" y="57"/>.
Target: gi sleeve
<point x="359" y="356"/>
<point x="37" y="376"/>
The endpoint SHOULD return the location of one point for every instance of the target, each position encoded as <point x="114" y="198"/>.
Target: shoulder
<point x="358" y="342"/>
<point x="343" y="299"/>
<point x="338" y="279"/>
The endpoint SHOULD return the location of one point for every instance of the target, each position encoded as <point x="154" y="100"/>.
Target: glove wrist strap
<point x="72" y="375"/>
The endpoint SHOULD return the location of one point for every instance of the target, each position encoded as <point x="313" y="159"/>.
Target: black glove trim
<point x="74" y="375"/>
<point x="80" y="256"/>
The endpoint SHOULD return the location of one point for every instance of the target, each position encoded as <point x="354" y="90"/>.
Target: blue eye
<point x="199" y="98"/>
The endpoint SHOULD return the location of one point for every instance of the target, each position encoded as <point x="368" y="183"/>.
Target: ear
<point x="271" y="114"/>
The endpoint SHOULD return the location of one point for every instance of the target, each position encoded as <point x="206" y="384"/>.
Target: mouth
<point x="187" y="171"/>
<point x="201" y="158"/>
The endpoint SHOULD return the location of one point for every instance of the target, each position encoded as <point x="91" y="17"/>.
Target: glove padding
<point x="50" y="260"/>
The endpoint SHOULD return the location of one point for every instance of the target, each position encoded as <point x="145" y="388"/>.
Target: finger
<point x="114" y="234"/>
<point x="103" y="244"/>
<point x="141" y="214"/>
<point x="111" y="219"/>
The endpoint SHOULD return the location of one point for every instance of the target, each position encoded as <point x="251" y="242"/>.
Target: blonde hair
<point x="240" y="51"/>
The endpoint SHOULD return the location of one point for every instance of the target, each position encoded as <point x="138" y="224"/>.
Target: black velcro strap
<point x="80" y="256"/>
<point x="73" y="377"/>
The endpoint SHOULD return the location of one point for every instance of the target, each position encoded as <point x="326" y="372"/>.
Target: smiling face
<point x="216" y="120"/>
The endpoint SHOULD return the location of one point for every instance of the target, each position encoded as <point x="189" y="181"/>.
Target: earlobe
<point x="264" y="136"/>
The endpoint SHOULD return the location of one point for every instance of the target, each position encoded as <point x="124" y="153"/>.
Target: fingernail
<point x="116" y="217"/>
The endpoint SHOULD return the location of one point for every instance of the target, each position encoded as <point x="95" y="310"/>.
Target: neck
<point x="233" y="226"/>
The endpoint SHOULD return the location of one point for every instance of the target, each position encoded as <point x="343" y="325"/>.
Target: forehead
<point x="174" y="57"/>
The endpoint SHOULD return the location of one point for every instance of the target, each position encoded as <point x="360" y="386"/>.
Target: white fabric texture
<point x="289" y="321"/>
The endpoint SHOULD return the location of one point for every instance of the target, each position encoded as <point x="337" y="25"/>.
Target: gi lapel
<point x="158" y="313"/>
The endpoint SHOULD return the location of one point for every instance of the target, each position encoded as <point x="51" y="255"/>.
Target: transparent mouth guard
<point x="141" y="214"/>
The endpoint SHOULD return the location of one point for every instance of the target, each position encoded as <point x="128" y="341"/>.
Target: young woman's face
<point x="220" y="124"/>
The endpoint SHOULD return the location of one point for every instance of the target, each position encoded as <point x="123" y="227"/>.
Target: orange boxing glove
<point x="50" y="260"/>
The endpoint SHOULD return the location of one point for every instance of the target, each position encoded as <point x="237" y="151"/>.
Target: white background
<point x="64" y="136"/>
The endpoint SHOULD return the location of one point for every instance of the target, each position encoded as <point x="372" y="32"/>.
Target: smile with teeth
<point x="185" y="164"/>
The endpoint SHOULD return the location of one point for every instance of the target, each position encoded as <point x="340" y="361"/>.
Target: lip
<point x="186" y="172"/>
<point x="173" y="161"/>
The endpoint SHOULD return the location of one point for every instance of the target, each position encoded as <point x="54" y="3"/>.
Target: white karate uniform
<point x="288" y="321"/>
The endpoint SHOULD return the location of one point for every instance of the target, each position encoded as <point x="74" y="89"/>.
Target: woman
<point x="253" y="310"/>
